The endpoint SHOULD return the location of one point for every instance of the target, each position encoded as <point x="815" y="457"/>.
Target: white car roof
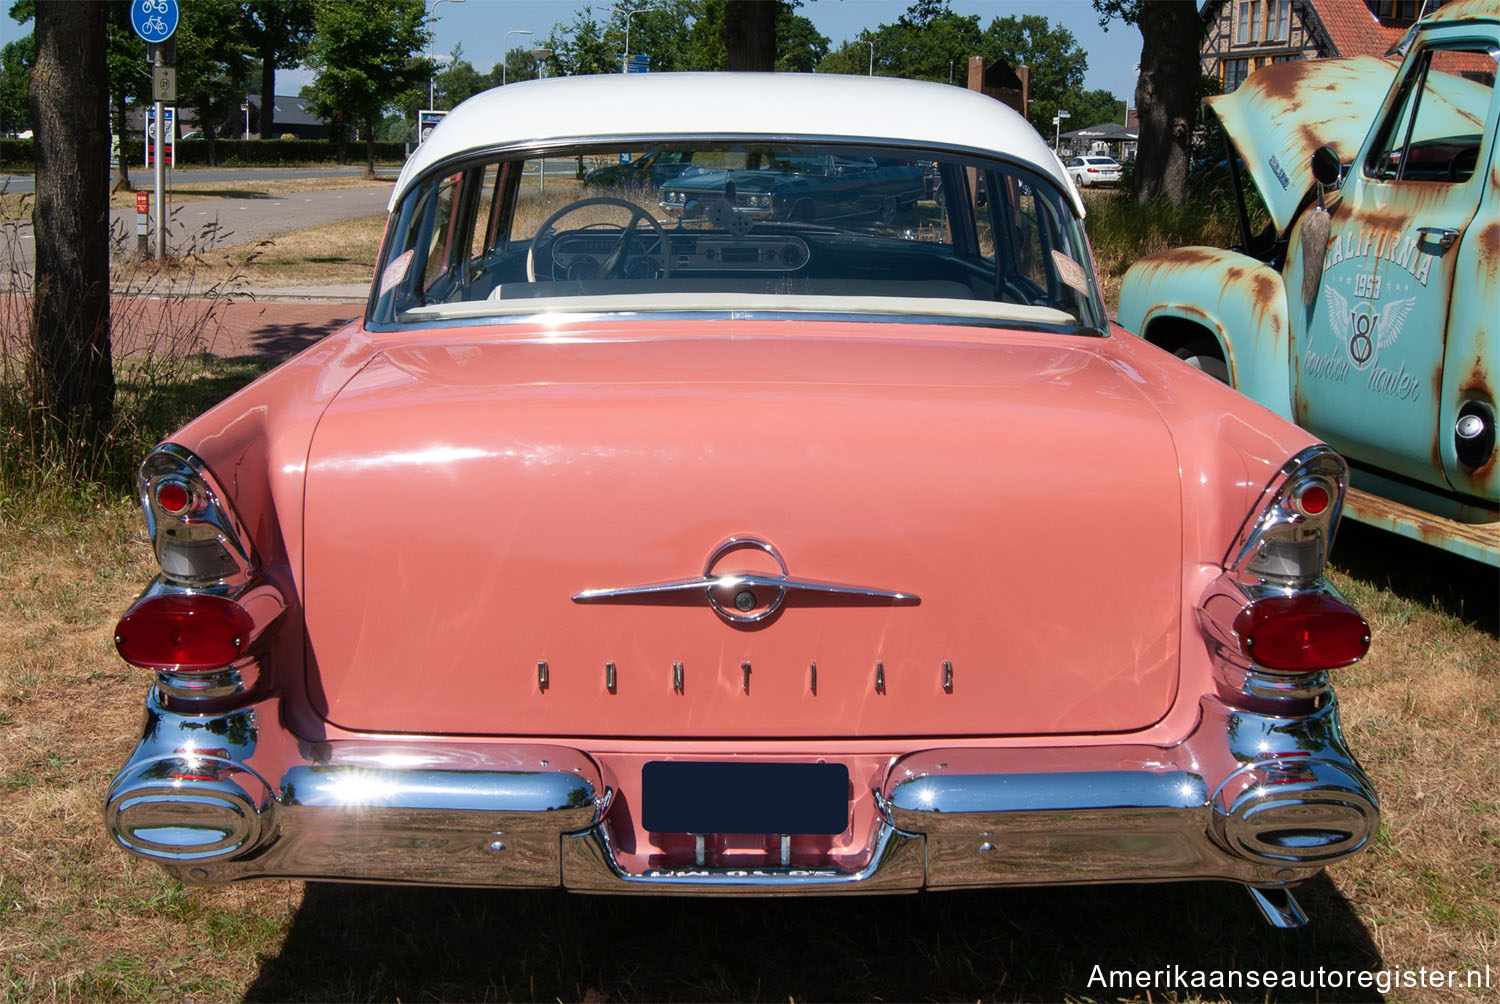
<point x="776" y="105"/>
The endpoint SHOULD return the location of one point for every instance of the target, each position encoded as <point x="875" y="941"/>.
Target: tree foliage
<point x="1057" y="63"/>
<point x="1091" y="108"/>
<point x="129" y="79"/>
<point x="278" y="32"/>
<point x="213" y="64"/>
<point x="682" y="35"/>
<point x="365" y="54"/>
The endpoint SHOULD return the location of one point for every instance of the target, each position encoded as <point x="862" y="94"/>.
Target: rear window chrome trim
<point x="563" y="320"/>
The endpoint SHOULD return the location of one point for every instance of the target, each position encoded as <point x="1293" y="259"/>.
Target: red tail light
<point x="173" y="497"/>
<point x="1302" y="633"/>
<point x="196" y="633"/>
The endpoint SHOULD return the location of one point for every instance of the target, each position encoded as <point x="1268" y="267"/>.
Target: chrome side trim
<point x="896" y="864"/>
<point x="960" y="803"/>
<point x="740" y="597"/>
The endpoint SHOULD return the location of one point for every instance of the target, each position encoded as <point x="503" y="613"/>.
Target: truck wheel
<point x="1203" y="354"/>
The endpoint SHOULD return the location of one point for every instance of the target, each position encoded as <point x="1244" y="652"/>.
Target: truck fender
<point x="1195" y="297"/>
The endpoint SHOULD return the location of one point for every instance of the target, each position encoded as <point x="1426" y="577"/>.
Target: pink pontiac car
<point x="848" y="549"/>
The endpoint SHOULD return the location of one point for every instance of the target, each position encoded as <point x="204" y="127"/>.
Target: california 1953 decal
<point x="1371" y="283"/>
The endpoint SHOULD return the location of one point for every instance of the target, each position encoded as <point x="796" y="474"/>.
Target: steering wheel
<point x="615" y="260"/>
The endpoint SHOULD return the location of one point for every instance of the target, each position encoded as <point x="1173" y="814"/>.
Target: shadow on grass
<point x="372" y="943"/>
<point x="249" y="356"/>
<point x="230" y="193"/>
<point x="1459" y="587"/>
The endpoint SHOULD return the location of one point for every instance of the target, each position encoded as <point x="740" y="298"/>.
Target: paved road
<point x="239" y="221"/>
<point x="242" y="220"/>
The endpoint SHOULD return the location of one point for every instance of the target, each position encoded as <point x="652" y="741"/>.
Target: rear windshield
<point x="759" y="227"/>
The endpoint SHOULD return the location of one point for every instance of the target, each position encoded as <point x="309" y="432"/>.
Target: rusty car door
<point x="1376" y="353"/>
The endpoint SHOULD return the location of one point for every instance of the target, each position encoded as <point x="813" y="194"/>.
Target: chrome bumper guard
<point x="1249" y="797"/>
<point x="216" y="798"/>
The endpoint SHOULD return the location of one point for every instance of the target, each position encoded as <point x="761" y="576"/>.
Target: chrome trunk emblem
<point x="744" y="598"/>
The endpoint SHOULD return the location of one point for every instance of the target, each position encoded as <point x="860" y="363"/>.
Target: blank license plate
<point x="688" y="797"/>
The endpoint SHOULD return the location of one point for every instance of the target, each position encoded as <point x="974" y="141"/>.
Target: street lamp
<point x="541" y="56"/>
<point x="503" y="50"/>
<point x="872" y="58"/>
<point x="432" y="80"/>
<point x="625" y="63"/>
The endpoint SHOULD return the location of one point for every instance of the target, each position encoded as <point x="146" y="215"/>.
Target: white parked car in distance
<point x="1092" y="170"/>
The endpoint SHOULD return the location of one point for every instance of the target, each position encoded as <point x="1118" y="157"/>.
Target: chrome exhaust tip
<point x="1278" y="906"/>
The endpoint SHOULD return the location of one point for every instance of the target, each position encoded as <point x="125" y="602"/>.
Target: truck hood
<point x="466" y="500"/>
<point x="1283" y="112"/>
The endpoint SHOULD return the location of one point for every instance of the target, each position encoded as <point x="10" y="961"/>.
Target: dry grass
<point x="1121" y="232"/>
<point x="81" y="921"/>
<point x="342" y="252"/>
<point x="184" y="189"/>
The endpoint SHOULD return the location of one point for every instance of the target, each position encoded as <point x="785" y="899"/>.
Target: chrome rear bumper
<point x="1251" y="798"/>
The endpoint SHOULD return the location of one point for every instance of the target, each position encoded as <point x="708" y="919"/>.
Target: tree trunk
<point x="370" y="150"/>
<point x="267" y="91"/>
<point x="210" y="135"/>
<point x="72" y="379"/>
<point x="749" y="34"/>
<point x="1166" y="96"/>
<point x="122" y="130"/>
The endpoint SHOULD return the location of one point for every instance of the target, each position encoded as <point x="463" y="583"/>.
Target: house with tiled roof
<point x="1240" y="36"/>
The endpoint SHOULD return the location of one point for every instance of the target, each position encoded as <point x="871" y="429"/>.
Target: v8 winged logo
<point x="1363" y="329"/>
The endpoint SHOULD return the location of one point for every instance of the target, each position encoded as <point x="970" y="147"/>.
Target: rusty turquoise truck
<point x="1368" y="308"/>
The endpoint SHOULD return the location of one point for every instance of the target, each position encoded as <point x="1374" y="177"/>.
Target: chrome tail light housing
<point x="196" y="623"/>
<point x="1287" y="538"/>
<point x="1273" y="624"/>
<point x="198" y="539"/>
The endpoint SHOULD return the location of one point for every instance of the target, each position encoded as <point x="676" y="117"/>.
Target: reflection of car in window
<point x="791" y="185"/>
<point x="650" y="169"/>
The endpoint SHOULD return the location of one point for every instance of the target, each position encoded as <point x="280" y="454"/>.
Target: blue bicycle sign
<point x="154" y="20"/>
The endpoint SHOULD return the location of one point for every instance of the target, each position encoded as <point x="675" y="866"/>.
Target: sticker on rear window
<point x="1070" y="272"/>
<point x="395" y="272"/>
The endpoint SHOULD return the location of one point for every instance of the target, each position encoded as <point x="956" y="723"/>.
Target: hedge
<point x="15" y="154"/>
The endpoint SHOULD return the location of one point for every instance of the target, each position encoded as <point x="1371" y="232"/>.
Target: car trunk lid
<point x="1014" y="490"/>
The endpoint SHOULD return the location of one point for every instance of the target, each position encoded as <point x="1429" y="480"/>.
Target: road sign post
<point x="142" y="221"/>
<point x="155" y="21"/>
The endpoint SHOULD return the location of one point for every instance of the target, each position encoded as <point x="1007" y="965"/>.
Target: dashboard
<point x="578" y="254"/>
